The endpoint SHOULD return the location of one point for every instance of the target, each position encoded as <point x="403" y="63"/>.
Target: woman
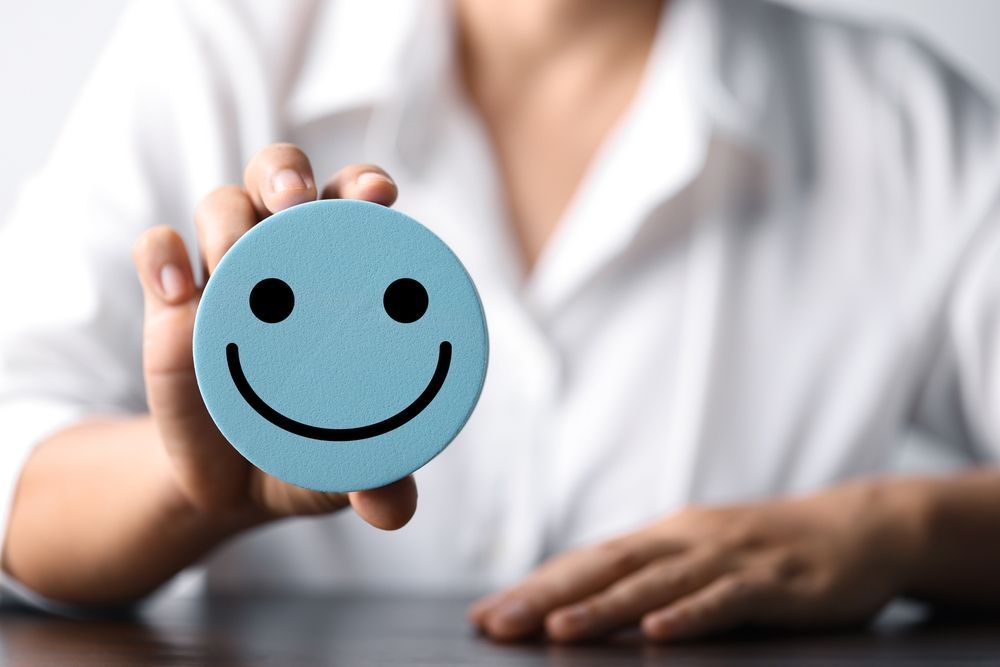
<point x="730" y="254"/>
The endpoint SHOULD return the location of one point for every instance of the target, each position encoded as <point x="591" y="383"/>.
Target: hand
<point x="210" y="474"/>
<point x="830" y="559"/>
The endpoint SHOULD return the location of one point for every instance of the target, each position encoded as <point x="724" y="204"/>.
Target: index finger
<point x="362" y="181"/>
<point x="279" y="177"/>
<point x="521" y="610"/>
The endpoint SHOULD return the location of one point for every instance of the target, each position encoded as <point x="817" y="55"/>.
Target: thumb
<point x="389" y="507"/>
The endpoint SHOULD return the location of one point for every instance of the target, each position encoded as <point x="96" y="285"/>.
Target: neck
<point x="512" y="38"/>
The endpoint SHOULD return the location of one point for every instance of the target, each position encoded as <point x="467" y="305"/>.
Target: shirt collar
<point x="344" y="70"/>
<point x="696" y="81"/>
<point x="658" y="148"/>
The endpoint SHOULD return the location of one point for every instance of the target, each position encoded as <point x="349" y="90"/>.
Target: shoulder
<point x="259" y="56"/>
<point x="857" y="94"/>
<point x="252" y="33"/>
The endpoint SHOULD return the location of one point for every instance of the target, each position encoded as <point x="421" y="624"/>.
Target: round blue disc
<point x="340" y="345"/>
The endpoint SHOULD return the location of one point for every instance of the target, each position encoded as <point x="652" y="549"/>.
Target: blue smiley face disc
<point x="340" y="345"/>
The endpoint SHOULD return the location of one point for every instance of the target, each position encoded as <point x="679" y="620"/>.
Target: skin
<point x="827" y="559"/>
<point x="531" y="70"/>
<point x="108" y="510"/>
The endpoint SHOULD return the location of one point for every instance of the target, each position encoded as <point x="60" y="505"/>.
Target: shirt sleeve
<point x="960" y="401"/>
<point x="954" y="145"/>
<point x="153" y="130"/>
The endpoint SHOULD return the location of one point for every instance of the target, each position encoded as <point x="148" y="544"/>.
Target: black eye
<point x="271" y="300"/>
<point x="405" y="300"/>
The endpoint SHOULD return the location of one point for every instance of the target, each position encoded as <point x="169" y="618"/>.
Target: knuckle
<point x="151" y="238"/>
<point x="225" y="198"/>
<point x="344" y="183"/>
<point x="272" y="153"/>
<point x="535" y="602"/>
<point x="232" y="194"/>
<point x="821" y="584"/>
<point x="741" y="533"/>
<point x="711" y="553"/>
<point x="789" y="566"/>
<point x="745" y="589"/>
<point x="663" y="543"/>
<point x="679" y="580"/>
<point x="230" y="190"/>
<point x="613" y="600"/>
<point x="364" y="167"/>
<point x="287" y="153"/>
<point x="620" y="556"/>
<point x="735" y="587"/>
<point x="599" y="606"/>
<point x="276" y="150"/>
<point x="141" y="245"/>
<point x="532" y="594"/>
<point x="286" y="147"/>
<point x="223" y="217"/>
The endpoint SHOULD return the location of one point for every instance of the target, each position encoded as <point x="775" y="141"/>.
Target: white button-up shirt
<point x="782" y="261"/>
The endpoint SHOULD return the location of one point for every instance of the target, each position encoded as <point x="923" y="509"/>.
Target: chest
<point x="739" y="352"/>
<point x="544" y="141"/>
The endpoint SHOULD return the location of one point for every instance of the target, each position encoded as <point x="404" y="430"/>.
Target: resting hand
<point x="830" y="559"/>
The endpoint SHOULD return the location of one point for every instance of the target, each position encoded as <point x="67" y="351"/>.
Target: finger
<point x="161" y="260"/>
<point x="625" y="601"/>
<point x="221" y="219"/>
<point x="389" y="507"/>
<point x="477" y="611"/>
<point x="725" y="604"/>
<point x="203" y="460"/>
<point x="362" y="181"/>
<point x="520" y="611"/>
<point x="279" y="499"/>
<point x="278" y="177"/>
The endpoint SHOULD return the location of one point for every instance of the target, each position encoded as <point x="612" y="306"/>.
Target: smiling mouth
<point x="338" y="434"/>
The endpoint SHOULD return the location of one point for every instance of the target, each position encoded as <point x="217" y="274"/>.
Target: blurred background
<point x="48" y="46"/>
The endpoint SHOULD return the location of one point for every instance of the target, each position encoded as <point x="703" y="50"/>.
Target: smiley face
<point x="340" y="345"/>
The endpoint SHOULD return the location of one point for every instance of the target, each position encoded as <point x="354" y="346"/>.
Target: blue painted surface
<point x="338" y="360"/>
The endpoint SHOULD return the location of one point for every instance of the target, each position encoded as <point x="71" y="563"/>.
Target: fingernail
<point x="661" y="625"/>
<point x="514" y="615"/>
<point x="481" y="605"/>
<point x="575" y="617"/>
<point x="172" y="282"/>
<point x="287" y="179"/>
<point x="372" y="177"/>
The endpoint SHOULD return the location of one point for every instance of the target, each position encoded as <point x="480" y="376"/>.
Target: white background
<point x="48" y="46"/>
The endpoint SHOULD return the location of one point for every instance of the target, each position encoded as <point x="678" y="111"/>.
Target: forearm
<point x="98" y="519"/>
<point x="958" y="520"/>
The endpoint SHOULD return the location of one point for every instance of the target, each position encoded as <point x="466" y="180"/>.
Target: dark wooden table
<point x="356" y="632"/>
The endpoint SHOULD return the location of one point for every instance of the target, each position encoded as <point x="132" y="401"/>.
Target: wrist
<point x="213" y="523"/>
<point x="905" y="509"/>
